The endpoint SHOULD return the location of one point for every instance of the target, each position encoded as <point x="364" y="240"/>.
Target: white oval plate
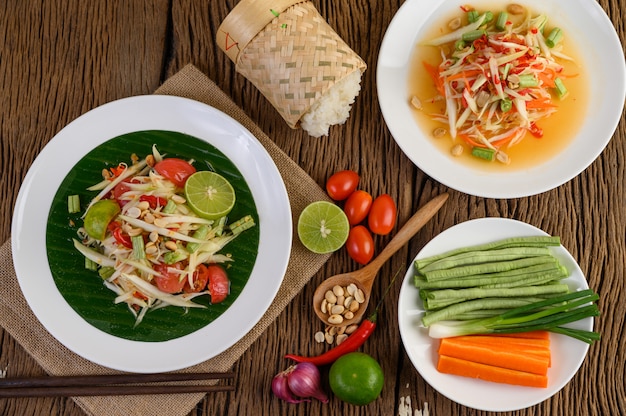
<point x="567" y="353"/>
<point x="95" y="127"/>
<point x="583" y="20"/>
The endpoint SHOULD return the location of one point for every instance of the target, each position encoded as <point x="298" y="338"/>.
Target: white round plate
<point x="567" y="353"/>
<point x="583" y="20"/>
<point x="98" y="126"/>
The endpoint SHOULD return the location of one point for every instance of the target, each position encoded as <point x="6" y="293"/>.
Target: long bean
<point x="473" y="269"/>
<point x="529" y="241"/>
<point x="483" y="256"/>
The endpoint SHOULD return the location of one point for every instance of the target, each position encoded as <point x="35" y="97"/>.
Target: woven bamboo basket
<point x="288" y="51"/>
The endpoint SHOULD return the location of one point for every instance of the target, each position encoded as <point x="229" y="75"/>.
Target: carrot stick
<point x="456" y="366"/>
<point x="530" y="334"/>
<point x="434" y="74"/>
<point x="513" y="359"/>
<point x="501" y="340"/>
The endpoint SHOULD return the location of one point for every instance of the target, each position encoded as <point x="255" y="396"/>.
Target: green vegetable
<point x="484" y="153"/>
<point x="472" y="35"/>
<point x="528" y="81"/>
<point x="242" y="224"/>
<point x="506" y="105"/>
<point x="139" y="251"/>
<point x="561" y="90"/>
<point x="531" y="241"/>
<point x="201" y="234"/>
<point x="554" y="37"/>
<point x="472" y="16"/>
<point x="73" y="204"/>
<point x="550" y="314"/>
<point x="170" y="207"/>
<point x="501" y="21"/>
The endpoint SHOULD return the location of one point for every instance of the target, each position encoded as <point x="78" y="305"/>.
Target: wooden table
<point x="61" y="58"/>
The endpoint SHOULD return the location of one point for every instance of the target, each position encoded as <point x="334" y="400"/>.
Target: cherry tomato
<point x="176" y="170"/>
<point x="219" y="285"/>
<point x="200" y="279"/>
<point x="342" y="184"/>
<point x="168" y="281"/>
<point x="382" y="216"/>
<point x="357" y="206"/>
<point x="360" y="244"/>
<point x="119" y="190"/>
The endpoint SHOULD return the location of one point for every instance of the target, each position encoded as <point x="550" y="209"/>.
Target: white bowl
<point x="582" y="20"/>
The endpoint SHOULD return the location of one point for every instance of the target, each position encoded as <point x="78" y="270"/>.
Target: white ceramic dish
<point x="605" y="65"/>
<point x="567" y="353"/>
<point x="96" y="127"/>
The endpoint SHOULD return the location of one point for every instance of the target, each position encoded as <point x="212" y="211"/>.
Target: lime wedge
<point x="323" y="227"/>
<point x="209" y="194"/>
<point x="98" y="217"/>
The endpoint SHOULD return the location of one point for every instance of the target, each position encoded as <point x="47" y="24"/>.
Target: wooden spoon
<point x="364" y="278"/>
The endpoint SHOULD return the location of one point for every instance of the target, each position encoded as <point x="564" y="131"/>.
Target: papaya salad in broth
<point x="152" y="242"/>
<point x="500" y="74"/>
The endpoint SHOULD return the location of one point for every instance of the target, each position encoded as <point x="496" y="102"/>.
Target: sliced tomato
<point x="200" y="280"/>
<point x="168" y="281"/>
<point x="219" y="284"/>
<point x="119" y="190"/>
<point x="176" y="170"/>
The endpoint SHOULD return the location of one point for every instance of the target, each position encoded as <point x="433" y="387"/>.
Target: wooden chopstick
<point x="110" y="385"/>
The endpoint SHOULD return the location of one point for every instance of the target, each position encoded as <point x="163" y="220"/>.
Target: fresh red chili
<point x="122" y="238"/>
<point x="154" y="201"/>
<point x="352" y="343"/>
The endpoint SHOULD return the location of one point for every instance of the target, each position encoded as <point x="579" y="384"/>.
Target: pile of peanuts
<point x="340" y="304"/>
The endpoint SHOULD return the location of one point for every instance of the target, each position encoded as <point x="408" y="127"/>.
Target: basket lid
<point x="245" y="21"/>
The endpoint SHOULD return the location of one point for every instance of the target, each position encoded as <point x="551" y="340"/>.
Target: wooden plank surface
<point x="61" y="58"/>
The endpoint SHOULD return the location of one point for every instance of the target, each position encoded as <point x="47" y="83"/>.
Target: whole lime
<point x="356" y="378"/>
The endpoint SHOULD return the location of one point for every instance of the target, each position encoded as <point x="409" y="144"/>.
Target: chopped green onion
<point x="483" y="153"/>
<point x="561" y="90"/>
<point x="242" y="225"/>
<point x="73" y="204"/>
<point x="501" y="21"/>
<point x="139" y="251"/>
<point x="506" y="105"/>
<point x="554" y="37"/>
<point x="472" y="35"/>
<point x="528" y="80"/>
<point x="548" y="314"/>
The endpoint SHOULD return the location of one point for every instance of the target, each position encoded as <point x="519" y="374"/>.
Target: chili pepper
<point x="116" y="229"/>
<point x="154" y="201"/>
<point x="352" y="343"/>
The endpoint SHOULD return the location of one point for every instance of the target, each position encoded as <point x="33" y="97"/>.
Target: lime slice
<point x="98" y="217"/>
<point x="323" y="227"/>
<point x="209" y="194"/>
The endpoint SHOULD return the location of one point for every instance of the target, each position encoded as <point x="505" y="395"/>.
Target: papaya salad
<point x="155" y="231"/>
<point x="500" y="75"/>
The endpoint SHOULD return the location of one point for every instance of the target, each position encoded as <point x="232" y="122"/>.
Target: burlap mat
<point x="17" y="318"/>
